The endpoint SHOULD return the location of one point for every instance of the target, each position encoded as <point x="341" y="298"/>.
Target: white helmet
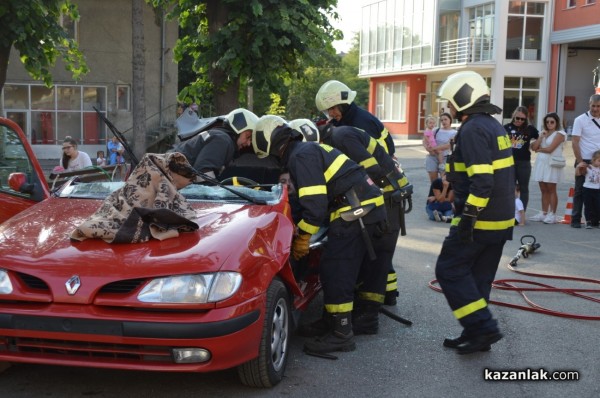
<point x="463" y="89"/>
<point x="262" y="134"/>
<point x="241" y="120"/>
<point x="333" y="93"/>
<point x="309" y="131"/>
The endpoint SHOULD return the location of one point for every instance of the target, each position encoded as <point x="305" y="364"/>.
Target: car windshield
<point x="196" y="192"/>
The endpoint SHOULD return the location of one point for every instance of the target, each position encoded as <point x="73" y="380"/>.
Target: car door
<point x="16" y="156"/>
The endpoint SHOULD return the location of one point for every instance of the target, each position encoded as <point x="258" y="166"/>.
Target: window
<point x="123" y="97"/>
<point x="48" y="115"/>
<point x="588" y="2"/>
<point x="521" y="91"/>
<point x="525" y="28"/>
<point x="571" y="3"/>
<point x="391" y="101"/>
<point x="69" y="25"/>
<point x="481" y="32"/>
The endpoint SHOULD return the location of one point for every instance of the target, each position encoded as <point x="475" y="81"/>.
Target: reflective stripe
<point x="335" y="167"/>
<point x="378" y="201"/>
<point x="459" y="166"/>
<point x="477" y="201"/>
<point x="378" y="298"/>
<point x="504" y="142"/>
<point x="503" y="163"/>
<point x="369" y="162"/>
<point x="337" y="308"/>
<point x="488" y="225"/>
<point x="381" y="140"/>
<point x="372" y="145"/>
<point x="306" y="227"/>
<point x="480" y="169"/>
<point x="313" y="190"/>
<point x="392" y="282"/>
<point x="469" y="308"/>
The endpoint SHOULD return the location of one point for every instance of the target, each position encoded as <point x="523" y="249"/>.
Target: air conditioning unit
<point x="529" y="54"/>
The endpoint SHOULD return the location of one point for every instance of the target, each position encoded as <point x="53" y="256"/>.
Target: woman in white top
<point x="72" y="158"/>
<point x="550" y="143"/>
<point x="442" y="136"/>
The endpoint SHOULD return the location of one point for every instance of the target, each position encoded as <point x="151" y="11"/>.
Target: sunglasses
<point x="520" y="119"/>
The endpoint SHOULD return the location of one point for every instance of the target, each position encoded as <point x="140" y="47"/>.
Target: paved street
<point x="406" y="361"/>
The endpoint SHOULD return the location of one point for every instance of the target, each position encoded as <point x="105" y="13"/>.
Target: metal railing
<point x="466" y="50"/>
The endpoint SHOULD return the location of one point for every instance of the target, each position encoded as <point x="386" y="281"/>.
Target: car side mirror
<point x="18" y="182"/>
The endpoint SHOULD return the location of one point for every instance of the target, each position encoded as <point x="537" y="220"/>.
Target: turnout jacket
<point x="323" y="175"/>
<point x="367" y="152"/>
<point x="210" y="150"/>
<point x="361" y="118"/>
<point x="481" y="170"/>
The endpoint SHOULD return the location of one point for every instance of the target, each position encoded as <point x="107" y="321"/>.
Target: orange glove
<point x="300" y="245"/>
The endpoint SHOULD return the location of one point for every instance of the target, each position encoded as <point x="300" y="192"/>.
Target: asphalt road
<point x="406" y="361"/>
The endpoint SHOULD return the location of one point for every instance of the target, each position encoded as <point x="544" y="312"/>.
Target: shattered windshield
<point x="196" y="192"/>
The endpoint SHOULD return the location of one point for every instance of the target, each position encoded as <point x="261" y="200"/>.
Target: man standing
<point x="585" y="141"/>
<point x="481" y="170"/>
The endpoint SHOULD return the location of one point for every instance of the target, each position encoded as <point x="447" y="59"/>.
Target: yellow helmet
<point x="241" y="120"/>
<point x="307" y="128"/>
<point x="463" y="89"/>
<point x="333" y="93"/>
<point x="262" y="135"/>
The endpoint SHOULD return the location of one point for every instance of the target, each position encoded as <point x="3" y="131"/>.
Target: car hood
<point x="37" y="242"/>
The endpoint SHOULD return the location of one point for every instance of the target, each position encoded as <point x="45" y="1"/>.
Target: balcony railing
<point x="465" y="50"/>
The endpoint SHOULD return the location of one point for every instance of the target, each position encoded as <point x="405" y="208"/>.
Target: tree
<point x="33" y="28"/>
<point x="261" y="42"/>
<point x="139" y="77"/>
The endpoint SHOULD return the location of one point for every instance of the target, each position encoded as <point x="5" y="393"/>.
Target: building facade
<point x="104" y="34"/>
<point x="526" y="50"/>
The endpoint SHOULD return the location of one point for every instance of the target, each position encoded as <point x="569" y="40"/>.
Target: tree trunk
<point x="138" y="100"/>
<point x="4" y="55"/>
<point x="226" y="89"/>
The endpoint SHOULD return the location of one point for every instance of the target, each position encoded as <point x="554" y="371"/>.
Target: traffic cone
<point x="569" y="209"/>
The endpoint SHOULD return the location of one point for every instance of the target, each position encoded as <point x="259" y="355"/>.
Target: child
<point x="101" y="160"/>
<point x="430" y="142"/>
<point x="519" y="208"/>
<point x="591" y="193"/>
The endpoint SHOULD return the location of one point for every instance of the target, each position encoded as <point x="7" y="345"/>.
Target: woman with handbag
<point x="548" y="166"/>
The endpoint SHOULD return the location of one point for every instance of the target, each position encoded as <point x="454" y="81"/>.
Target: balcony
<point x="466" y="50"/>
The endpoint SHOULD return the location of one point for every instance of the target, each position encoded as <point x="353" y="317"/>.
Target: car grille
<point x="33" y="282"/>
<point x="64" y="349"/>
<point x="122" y="287"/>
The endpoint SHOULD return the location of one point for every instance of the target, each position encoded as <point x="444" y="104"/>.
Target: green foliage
<point x="276" y="108"/>
<point x="262" y="41"/>
<point x="32" y="28"/>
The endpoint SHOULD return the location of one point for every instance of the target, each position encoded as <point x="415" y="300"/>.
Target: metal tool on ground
<point x="527" y="248"/>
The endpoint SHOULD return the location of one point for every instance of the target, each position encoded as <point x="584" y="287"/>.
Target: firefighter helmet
<point x="263" y="135"/>
<point x="333" y="93"/>
<point x="464" y="89"/>
<point x="241" y="120"/>
<point x="307" y="128"/>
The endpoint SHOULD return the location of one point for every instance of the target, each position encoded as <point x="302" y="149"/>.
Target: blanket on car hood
<point x="147" y="206"/>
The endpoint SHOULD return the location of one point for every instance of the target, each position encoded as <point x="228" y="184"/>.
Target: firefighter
<point x="337" y="101"/>
<point x="481" y="170"/>
<point x="335" y="190"/>
<point x="381" y="168"/>
<point x="212" y="150"/>
<point x="308" y="129"/>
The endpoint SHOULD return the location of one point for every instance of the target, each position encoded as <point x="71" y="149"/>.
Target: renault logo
<point x="73" y="284"/>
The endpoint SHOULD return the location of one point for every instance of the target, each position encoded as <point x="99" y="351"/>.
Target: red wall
<point x="415" y="85"/>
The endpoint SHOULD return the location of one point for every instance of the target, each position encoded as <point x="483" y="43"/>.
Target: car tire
<point x="268" y="368"/>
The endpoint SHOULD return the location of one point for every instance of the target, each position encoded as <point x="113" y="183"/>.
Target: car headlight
<point x="194" y="288"/>
<point x="5" y="285"/>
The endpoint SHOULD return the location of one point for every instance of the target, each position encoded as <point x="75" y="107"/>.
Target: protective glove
<point x="300" y="246"/>
<point x="467" y="223"/>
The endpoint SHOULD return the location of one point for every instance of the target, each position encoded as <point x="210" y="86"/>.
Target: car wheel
<point x="268" y="368"/>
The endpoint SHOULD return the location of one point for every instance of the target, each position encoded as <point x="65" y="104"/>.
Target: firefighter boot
<point x="365" y="317"/>
<point x="318" y="327"/>
<point x="339" y="337"/>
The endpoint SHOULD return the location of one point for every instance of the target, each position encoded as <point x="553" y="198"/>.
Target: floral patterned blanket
<point x="147" y="206"/>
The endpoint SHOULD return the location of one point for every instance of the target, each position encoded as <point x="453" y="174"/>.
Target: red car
<point x="220" y="297"/>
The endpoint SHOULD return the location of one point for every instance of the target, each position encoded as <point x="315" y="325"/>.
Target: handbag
<point x="558" y="162"/>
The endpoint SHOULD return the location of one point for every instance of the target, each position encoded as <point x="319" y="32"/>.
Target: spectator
<point x="100" y="159"/>
<point x="429" y="141"/>
<point x="521" y="133"/>
<point x="519" y="208"/>
<point x="548" y="145"/>
<point x="72" y="158"/>
<point x="115" y="151"/>
<point x="585" y="141"/>
<point x="439" y="201"/>
<point x="591" y="192"/>
<point x="434" y="164"/>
